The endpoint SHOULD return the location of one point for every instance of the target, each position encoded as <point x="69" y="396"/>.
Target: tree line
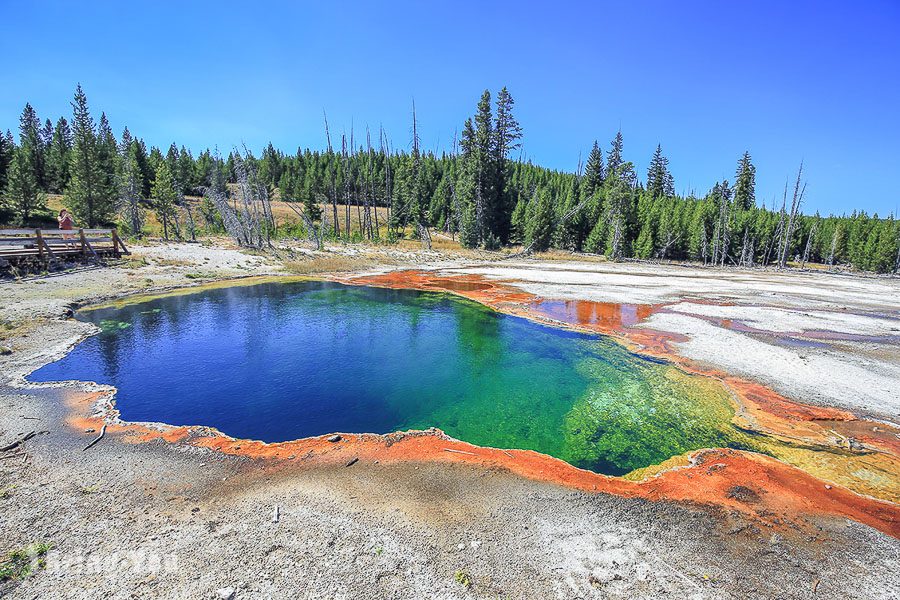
<point x="478" y="193"/>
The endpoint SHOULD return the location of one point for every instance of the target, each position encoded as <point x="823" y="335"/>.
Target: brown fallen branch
<point x="21" y="440"/>
<point x="459" y="451"/>
<point x="98" y="438"/>
<point x="13" y="455"/>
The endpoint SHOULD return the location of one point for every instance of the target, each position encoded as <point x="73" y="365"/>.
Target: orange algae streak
<point x="756" y="485"/>
<point x="609" y="316"/>
<point x="777" y="489"/>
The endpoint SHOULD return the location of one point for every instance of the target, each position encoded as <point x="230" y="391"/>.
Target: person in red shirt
<point x="66" y="223"/>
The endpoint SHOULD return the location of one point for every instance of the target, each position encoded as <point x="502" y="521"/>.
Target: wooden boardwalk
<point x="46" y="246"/>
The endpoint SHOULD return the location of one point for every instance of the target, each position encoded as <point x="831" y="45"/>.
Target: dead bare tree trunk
<point x="354" y="182"/>
<point x="337" y="227"/>
<point x="704" y="246"/>
<point x="251" y="222"/>
<point x="834" y="240"/>
<point x="370" y="193"/>
<point x="744" y="247"/>
<point x="809" y="241"/>
<point x="389" y="198"/>
<point x="726" y="230"/>
<point x="310" y="226"/>
<point x="424" y="235"/>
<point x="796" y="202"/>
<point x="189" y="222"/>
<point x="897" y="260"/>
<point x="346" y="186"/>
<point x="421" y="226"/>
<point x="776" y="235"/>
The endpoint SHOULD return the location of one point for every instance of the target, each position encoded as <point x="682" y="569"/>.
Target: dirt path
<point x="174" y="520"/>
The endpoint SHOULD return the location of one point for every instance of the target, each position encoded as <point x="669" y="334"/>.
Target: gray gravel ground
<point x="161" y="520"/>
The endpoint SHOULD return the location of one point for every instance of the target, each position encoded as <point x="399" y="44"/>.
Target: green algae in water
<point x="112" y="326"/>
<point x="277" y="362"/>
<point x="640" y="413"/>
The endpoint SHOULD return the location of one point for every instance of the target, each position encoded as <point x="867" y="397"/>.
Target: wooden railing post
<point x="83" y="242"/>
<point x="115" y="242"/>
<point x="40" y="243"/>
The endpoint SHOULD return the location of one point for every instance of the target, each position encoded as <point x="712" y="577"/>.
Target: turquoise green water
<point x="282" y="361"/>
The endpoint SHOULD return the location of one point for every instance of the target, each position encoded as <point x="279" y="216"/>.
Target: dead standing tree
<point x="796" y="202"/>
<point x="346" y="184"/>
<point x="897" y="260"/>
<point x="337" y="226"/>
<point x="249" y="220"/>
<point x="421" y="225"/>
<point x="776" y="237"/>
<point x="722" y="230"/>
<point x="386" y="152"/>
<point x="809" y="241"/>
<point x="370" y="205"/>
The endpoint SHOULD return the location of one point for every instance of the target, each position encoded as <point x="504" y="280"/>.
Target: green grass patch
<point x="462" y="578"/>
<point x="23" y="562"/>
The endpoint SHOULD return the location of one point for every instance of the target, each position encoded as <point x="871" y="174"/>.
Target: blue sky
<point x="817" y="81"/>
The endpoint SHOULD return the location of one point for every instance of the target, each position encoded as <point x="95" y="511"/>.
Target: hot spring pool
<point x="280" y="361"/>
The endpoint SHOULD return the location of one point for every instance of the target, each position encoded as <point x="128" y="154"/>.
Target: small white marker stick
<point x="276" y="515"/>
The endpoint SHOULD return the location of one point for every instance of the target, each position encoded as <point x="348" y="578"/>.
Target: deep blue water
<point x="282" y="361"/>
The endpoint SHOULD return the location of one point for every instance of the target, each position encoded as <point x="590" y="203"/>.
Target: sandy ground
<point x="173" y="521"/>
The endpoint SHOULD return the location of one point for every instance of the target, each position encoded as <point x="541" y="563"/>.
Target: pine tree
<point x="485" y="171"/>
<point x="203" y="169"/>
<point x="507" y="136"/>
<point x="31" y="146"/>
<point x="58" y="157"/>
<point x="596" y="238"/>
<point x="593" y="171"/>
<point x="172" y="161"/>
<point x="108" y="160"/>
<point x="22" y="196"/>
<point x="467" y="188"/>
<point x="88" y="193"/>
<point x="7" y="150"/>
<point x="518" y="220"/>
<point x="541" y="224"/>
<point x="165" y="197"/>
<point x="573" y="219"/>
<point x="644" y="245"/>
<point x="143" y="160"/>
<point x="125" y="145"/>
<point x="614" y="158"/>
<point x="745" y="183"/>
<point x="130" y="192"/>
<point x="46" y="138"/>
<point x="186" y="171"/>
<point x="660" y="183"/>
<point x="620" y="183"/>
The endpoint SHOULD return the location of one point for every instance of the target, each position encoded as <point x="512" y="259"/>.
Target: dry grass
<point x="564" y="255"/>
<point x="18" y="328"/>
<point x="172" y="262"/>
<point x="329" y="264"/>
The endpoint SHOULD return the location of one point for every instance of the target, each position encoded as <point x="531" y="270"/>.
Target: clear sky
<point x="817" y="81"/>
